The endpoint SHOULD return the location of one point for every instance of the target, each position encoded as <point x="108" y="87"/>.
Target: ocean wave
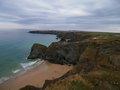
<point x="16" y="71"/>
<point x="24" y="67"/>
<point x="2" y="79"/>
<point x="28" y="64"/>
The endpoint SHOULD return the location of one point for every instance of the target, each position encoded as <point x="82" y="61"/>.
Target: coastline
<point x="35" y="76"/>
<point x="24" y="68"/>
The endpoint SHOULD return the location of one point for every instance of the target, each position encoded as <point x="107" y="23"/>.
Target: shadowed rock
<point x="29" y="87"/>
<point x="37" y="51"/>
<point x="63" y="53"/>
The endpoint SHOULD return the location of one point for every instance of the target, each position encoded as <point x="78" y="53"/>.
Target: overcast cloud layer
<point x="60" y="14"/>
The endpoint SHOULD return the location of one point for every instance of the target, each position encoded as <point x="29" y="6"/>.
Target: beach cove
<point x="36" y="76"/>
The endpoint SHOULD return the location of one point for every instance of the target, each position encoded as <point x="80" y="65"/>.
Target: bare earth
<point x="36" y="76"/>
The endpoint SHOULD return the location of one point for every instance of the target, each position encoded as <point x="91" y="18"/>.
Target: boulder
<point x="37" y="51"/>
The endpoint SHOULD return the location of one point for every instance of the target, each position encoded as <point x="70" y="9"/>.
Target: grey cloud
<point x="80" y="13"/>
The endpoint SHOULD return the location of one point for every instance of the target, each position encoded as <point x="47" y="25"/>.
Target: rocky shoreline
<point x="95" y="56"/>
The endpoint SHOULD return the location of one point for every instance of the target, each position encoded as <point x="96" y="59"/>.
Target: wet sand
<point x="36" y="76"/>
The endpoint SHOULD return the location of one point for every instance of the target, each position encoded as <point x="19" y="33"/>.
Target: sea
<point x="15" y="46"/>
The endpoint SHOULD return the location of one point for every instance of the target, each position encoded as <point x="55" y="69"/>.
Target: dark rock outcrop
<point x="63" y="53"/>
<point x="29" y="87"/>
<point x="37" y="51"/>
<point x="57" y="52"/>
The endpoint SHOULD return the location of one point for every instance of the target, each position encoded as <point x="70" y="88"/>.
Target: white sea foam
<point x="28" y="64"/>
<point x="2" y="79"/>
<point x="25" y="67"/>
<point x="16" y="71"/>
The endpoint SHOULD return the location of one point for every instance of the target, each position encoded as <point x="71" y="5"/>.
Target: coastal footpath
<point x="95" y="57"/>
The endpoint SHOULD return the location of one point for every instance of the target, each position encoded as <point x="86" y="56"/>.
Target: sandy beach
<point x="36" y="76"/>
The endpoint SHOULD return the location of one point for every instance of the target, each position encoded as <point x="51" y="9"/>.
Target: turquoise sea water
<point x="15" y="46"/>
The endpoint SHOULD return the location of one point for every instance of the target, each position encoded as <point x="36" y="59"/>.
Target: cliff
<point x="96" y="60"/>
<point x="37" y="51"/>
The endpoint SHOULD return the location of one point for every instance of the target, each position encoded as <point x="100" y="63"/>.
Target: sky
<point x="101" y="15"/>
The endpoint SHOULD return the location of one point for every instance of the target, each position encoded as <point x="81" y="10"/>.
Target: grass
<point x="104" y="80"/>
<point x="78" y="85"/>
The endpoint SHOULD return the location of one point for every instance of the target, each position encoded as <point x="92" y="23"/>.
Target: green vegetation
<point x="78" y="85"/>
<point x="101" y="80"/>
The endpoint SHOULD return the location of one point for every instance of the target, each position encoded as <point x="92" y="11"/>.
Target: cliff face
<point x="63" y="53"/>
<point x="96" y="60"/>
<point x="37" y="51"/>
<point x="74" y="52"/>
<point x="101" y="53"/>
